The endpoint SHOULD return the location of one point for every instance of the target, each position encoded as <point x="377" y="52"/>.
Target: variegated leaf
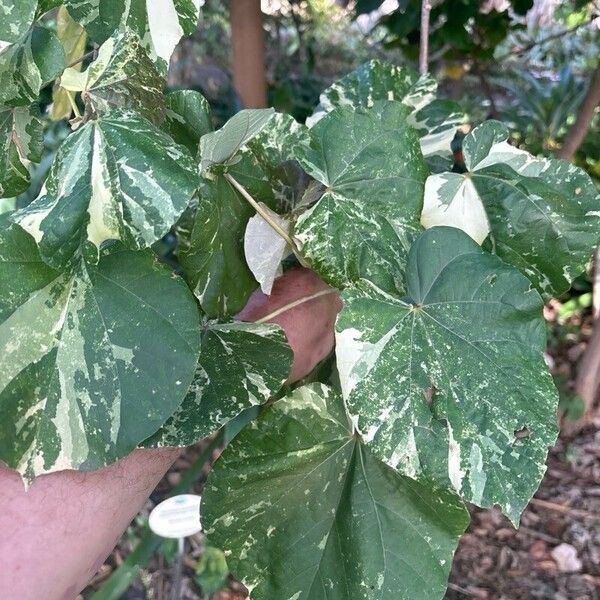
<point x="213" y="259"/>
<point x="117" y="178"/>
<point x="188" y="118"/>
<point x="159" y="23"/>
<point x="541" y="215"/>
<point x="373" y="171"/>
<point x="305" y="511"/>
<point x="436" y="120"/>
<point x="450" y="381"/>
<point x="7" y="205"/>
<point x="93" y="361"/>
<point x="121" y="76"/>
<point x="241" y="365"/>
<point x="275" y="149"/>
<point x="16" y="17"/>
<point x="33" y="60"/>
<point x="21" y="135"/>
<point x="220" y="147"/>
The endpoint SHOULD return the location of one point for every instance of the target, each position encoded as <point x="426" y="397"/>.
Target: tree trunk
<point x="588" y="373"/>
<point x="248" y="45"/>
<point x="584" y="117"/>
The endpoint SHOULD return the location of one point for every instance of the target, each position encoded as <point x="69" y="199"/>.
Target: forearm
<point x="57" y="534"/>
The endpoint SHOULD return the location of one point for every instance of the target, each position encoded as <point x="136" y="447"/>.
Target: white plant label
<point x="177" y="517"/>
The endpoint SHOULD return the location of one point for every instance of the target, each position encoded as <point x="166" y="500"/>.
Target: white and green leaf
<point x="93" y="361"/>
<point x="541" y="215"/>
<point x="74" y="40"/>
<point x="21" y="134"/>
<point x="450" y="381"/>
<point x="16" y="18"/>
<point x="436" y="120"/>
<point x="373" y="171"/>
<point x="275" y="149"/>
<point x="304" y="510"/>
<point x="117" y="178"/>
<point x="213" y="258"/>
<point x="122" y="76"/>
<point x="188" y="118"/>
<point x="241" y="365"/>
<point x="159" y="24"/>
<point x="34" y="59"/>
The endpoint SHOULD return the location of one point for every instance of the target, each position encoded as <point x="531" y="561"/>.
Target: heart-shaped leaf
<point x="117" y="178"/>
<point x="241" y="365"/>
<point x="541" y="215"/>
<point x="304" y="510"/>
<point x="93" y="361"/>
<point x="451" y="379"/>
<point x="373" y="171"/>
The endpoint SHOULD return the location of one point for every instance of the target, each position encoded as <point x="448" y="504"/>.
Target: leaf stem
<point x="90" y="54"/>
<point x="73" y="104"/>
<point x="259" y="209"/>
<point x="296" y="303"/>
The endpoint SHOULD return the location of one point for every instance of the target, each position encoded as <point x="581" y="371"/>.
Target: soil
<point x="554" y="555"/>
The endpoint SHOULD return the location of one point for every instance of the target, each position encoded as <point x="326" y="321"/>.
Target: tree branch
<point x="588" y="371"/>
<point x="424" y="46"/>
<point x="584" y="117"/>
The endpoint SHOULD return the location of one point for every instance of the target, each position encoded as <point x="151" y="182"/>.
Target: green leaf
<point x="304" y="510"/>
<point x="159" y="24"/>
<point x="436" y="120"/>
<point x="212" y="571"/>
<point x="117" y="178"/>
<point x="26" y="65"/>
<point x="275" y="148"/>
<point x="21" y="130"/>
<point x="241" y="365"/>
<point x="220" y="147"/>
<point x="214" y="260"/>
<point x="122" y="76"/>
<point x="371" y="165"/>
<point x="94" y="361"/>
<point x="45" y="6"/>
<point x="541" y="215"/>
<point x="451" y="380"/>
<point x="16" y="17"/>
<point x="188" y="118"/>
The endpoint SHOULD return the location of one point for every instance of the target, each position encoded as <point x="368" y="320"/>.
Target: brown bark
<point x="584" y="117"/>
<point x="424" y="46"/>
<point x="248" y="47"/>
<point x="588" y="373"/>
